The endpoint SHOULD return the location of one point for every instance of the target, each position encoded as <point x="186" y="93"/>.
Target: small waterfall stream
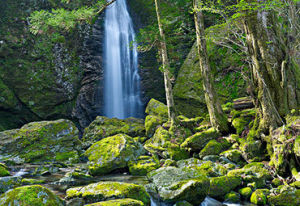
<point x="122" y="81"/>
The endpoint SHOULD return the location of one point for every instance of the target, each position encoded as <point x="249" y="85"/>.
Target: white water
<point x="122" y="81"/>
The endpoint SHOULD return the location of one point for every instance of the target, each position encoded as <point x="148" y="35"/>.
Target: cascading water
<point x="122" y="81"/>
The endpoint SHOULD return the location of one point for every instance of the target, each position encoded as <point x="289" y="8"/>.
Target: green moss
<point x="276" y="182"/>
<point x="157" y="108"/>
<point x="3" y="170"/>
<point x="214" y="147"/>
<point x="220" y="186"/>
<point x="297" y="146"/>
<point x="143" y="165"/>
<point x="233" y="155"/>
<point x="26" y="181"/>
<point x="253" y="150"/>
<point x="118" y="202"/>
<point x="232" y="197"/>
<point x="259" y="197"/>
<point x="245" y="192"/>
<point x="199" y="140"/>
<point x="102" y="191"/>
<point x="7" y="183"/>
<point x="151" y="123"/>
<point x="30" y="196"/>
<point x="112" y="153"/>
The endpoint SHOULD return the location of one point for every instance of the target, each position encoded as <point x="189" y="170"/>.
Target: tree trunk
<point x="273" y="68"/>
<point x="166" y="66"/>
<point x="217" y="117"/>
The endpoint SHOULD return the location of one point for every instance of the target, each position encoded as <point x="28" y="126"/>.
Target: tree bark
<point x="217" y="117"/>
<point x="273" y="68"/>
<point x="166" y="66"/>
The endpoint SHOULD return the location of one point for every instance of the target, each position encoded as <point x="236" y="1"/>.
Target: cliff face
<point x="49" y="77"/>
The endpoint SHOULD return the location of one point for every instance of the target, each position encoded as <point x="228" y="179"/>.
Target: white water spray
<point x="122" y="81"/>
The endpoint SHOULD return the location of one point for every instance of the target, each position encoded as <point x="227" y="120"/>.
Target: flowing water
<point x="122" y="81"/>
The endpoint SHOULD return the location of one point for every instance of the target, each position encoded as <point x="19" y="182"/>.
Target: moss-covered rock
<point x="42" y="141"/>
<point x="118" y="202"/>
<point x="75" y="178"/>
<point x="26" y="181"/>
<point x="151" y="123"/>
<point x="245" y="192"/>
<point x="7" y="183"/>
<point x="232" y="197"/>
<point x="167" y="145"/>
<point x="214" y="147"/>
<point x="190" y="123"/>
<point x="242" y="119"/>
<point x="112" y="153"/>
<point x="157" y="108"/>
<point x="253" y="172"/>
<point x="199" y="140"/>
<point x="285" y="198"/>
<point x="176" y="184"/>
<point x="143" y="165"/>
<point x="220" y="186"/>
<point x="233" y="155"/>
<point x="103" y="191"/>
<point x="4" y="170"/>
<point x="103" y="127"/>
<point x="259" y="197"/>
<point x="253" y="150"/>
<point x="30" y="195"/>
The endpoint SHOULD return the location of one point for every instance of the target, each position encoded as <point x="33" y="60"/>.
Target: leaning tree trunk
<point x="166" y="67"/>
<point x="273" y="68"/>
<point x="217" y="117"/>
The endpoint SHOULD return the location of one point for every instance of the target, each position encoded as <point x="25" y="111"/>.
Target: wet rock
<point x="41" y="141"/>
<point x="7" y="183"/>
<point x="103" y="191"/>
<point x="103" y="127"/>
<point x="30" y="195"/>
<point x="75" y="178"/>
<point x="112" y="153"/>
<point x="176" y="184"/>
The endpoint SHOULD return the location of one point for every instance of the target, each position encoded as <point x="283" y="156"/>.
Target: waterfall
<point x="121" y="78"/>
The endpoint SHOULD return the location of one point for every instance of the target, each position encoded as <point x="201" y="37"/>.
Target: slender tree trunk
<point x="273" y="68"/>
<point x="217" y="117"/>
<point x="166" y="67"/>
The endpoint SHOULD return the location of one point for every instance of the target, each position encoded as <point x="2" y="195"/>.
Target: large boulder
<point x="30" y="195"/>
<point x="220" y="186"/>
<point x="167" y="145"/>
<point x="112" y="153"/>
<point x="200" y="139"/>
<point x="103" y="127"/>
<point x="103" y="191"/>
<point x="286" y="198"/>
<point x="41" y="141"/>
<point x="143" y="165"/>
<point x="157" y="108"/>
<point x="175" y="184"/>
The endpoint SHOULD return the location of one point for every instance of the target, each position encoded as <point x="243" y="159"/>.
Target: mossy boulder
<point x="103" y="127"/>
<point x="220" y="186"/>
<point x="253" y="172"/>
<point x="190" y="123"/>
<point x="4" y="170"/>
<point x="151" y="123"/>
<point x="232" y="197"/>
<point x="200" y="139"/>
<point x="118" y="202"/>
<point x="242" y="119"/>
<point x="143" y="165"/>
<point x="30" y="195"/>
<point x="245" y="192"/>
<point x="75" y="178"/>
<point x="26" y="181"/>
<point x="285" y="198"/>
<point x="112" y="153"/>
<point x="167" y="145"/>
<point x="214" y="147"/>
<point x="233" y="155"/>
<point x="176" y="184"/>
<point x="158" y="109"/>
<point x="253" y="150"/>
<point x="7" y="183"/>
<point x="42" y="141"/>
<point x="259" y="196"/>
<point x="103" y="191"/>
